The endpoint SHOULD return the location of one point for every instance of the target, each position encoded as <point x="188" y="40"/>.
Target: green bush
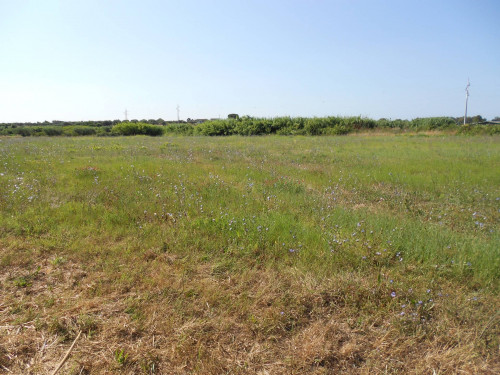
<point x="216" y="127"/>
<point x="73" y="131"/>
<point x="182" y="129"/>
<point x="137" y="128"/>
<point x="337" y="130"/>
<point x="315" y="126"/>
<point x="253" y="126"/>
<point x="52" y="131"/>
<point x="25" y="132"/>
<point x="469" y="129"/>
<point x="432" y="123"/>
<point x="359" y="123"/>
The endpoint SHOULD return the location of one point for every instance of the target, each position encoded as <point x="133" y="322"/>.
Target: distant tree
<point x="496" y="118"/>
<point x="233" y="116"/>
<point x="478" y="118"/>
<point x="470" y="120"/>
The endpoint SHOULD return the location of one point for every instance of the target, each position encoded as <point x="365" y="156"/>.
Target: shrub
<point x="151" y="130"/>
<point x="315" y="126"/>
<point x="137" y="128"/>
<point x="52" y="131"/>
<point x="469" y="129"/>
<point x="337" y="130"/>
<point x="253" y="126"/>
<point x="216" y="127"/>
<point x="78" y="130"/>
<point x="433" y="123"/>
<point x="25" y="132"/>
<point x="184" y="129"/>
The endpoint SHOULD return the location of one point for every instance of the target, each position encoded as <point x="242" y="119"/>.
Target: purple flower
<point x="393" y="294"/>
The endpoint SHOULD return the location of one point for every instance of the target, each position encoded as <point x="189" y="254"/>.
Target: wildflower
<point x="393" y="294"/>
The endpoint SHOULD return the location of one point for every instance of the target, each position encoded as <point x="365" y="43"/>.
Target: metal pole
<point x="466" y="100"/>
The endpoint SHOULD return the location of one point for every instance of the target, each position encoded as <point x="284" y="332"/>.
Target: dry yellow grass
<point x="216" y="324"/>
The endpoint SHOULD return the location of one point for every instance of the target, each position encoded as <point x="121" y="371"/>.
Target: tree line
<point x="246" y="125"/>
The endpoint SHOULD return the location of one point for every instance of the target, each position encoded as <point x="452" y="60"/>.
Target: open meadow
<point x="250" y="255"/>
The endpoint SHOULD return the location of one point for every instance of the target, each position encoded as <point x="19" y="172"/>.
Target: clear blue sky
<point x="92" y="59"/>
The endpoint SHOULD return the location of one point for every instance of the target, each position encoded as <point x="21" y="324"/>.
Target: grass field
<point x="250" y="255"/>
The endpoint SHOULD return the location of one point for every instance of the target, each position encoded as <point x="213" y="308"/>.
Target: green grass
<point x="272" y="241"/>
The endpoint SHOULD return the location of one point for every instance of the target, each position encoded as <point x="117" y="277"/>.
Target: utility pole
<point x="466" y="99"/>
<point x="126" y="114"/>
<point x="178" y="108"/>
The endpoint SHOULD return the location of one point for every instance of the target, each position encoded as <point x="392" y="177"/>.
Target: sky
<point x="93" y="59"/>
